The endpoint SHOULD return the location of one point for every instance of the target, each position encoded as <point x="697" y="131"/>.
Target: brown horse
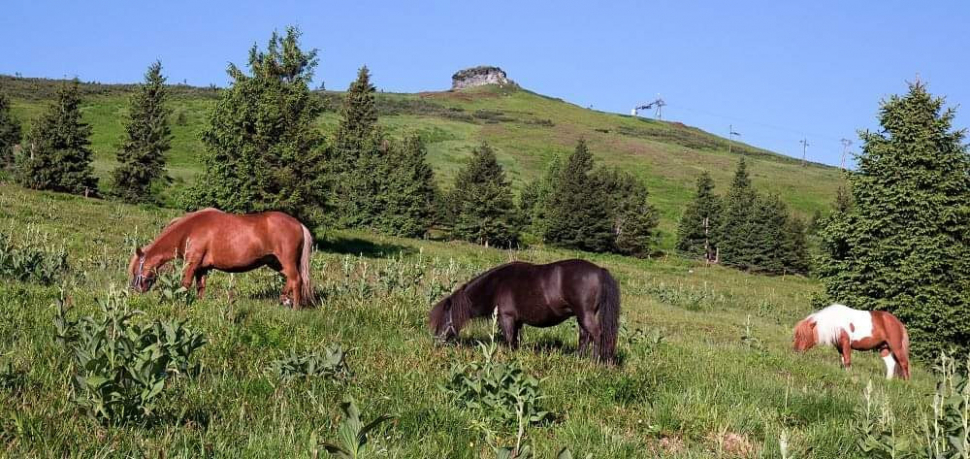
<point x="211" y="239"/>
<point x="541" y="296"/>
<point x="848" y="329"/>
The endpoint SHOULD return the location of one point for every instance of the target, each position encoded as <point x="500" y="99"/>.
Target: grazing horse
<point x="541" y="296"/>
<point x="848" y="329"/>
<point x="211" y="239"/>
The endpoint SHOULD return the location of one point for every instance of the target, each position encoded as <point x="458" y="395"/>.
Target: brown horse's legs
<point x="845" y="349"/>
<point x="293" y="284"/>
<point x="902" y="362"/>
<point x="200" y="283"/>
<point x="189" y="275"/>
<point x="510" y="328"/>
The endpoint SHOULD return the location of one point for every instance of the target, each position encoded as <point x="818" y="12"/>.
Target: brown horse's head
<point x="141" y="274"/>
<point x="804" y="335"/>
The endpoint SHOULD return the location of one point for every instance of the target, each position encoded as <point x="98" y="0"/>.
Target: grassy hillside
<point x="721" y="382"/>
<point x="527" y="130"/>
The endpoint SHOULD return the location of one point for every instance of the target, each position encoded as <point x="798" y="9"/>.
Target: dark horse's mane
<point x="460" y="311"/>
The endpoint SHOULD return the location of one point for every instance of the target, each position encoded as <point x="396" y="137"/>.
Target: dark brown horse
<point x="541" y="296"/>
<point x="211" y="239"/>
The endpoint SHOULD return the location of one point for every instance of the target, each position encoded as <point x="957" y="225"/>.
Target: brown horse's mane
<point x="171" y="227"/>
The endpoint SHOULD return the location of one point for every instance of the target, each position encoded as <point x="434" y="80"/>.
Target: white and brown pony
<point x="848" y="329"/>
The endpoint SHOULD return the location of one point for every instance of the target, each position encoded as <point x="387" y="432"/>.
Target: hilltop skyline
<point x="775" y="73"/>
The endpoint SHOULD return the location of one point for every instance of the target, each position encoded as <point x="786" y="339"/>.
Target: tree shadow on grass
<point x="362" y="247"/>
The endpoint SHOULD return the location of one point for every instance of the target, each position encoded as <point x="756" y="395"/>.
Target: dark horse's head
<point x="141" y="274"/>
<point x="450" y="314"/>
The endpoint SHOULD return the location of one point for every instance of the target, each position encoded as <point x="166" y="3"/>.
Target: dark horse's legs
<point x="583" y="339"/>
<point x="510" y="328"/>
<point x="589" y="331"/>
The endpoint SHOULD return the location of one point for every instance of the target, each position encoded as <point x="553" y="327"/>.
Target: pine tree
<point x="9" y="133"/>
<point x="904" y="245"/>
<point x="262" y="149"/>
<point x="482" y="199"/>
<point x="698" y="229"/>
<point x="57" y="155"/>
<point x="409" y="193"/>
<point x="579" y="216"/>
<point x="737" y="222"/>
<point x="142" y="156"/>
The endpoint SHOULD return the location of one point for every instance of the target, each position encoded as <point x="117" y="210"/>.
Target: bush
<point x="122" y="367"/>
<point x="330" y="364"/>
<point x="497" y="391"/>
<point x="32" y="262"/>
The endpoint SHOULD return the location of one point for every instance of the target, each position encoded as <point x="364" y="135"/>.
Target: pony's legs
<point x="584" y="339"/>
<point x="590" y="324"/>
<point x="510" y="328"/>
<point x="200" y="283"/>
<point x="845" y="349"/>
<point x="293" y="285"/>
<point x="890" y="362"/>
<point x="189" y="274"/>
<point x="903" y="361"/>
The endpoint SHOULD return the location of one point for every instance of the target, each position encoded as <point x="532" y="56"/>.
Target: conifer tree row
<point x="744" y="229"/>
<point x="577" y="205"/>
<point x="380" y="183"/>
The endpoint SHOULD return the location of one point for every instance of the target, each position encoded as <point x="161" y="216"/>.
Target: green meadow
<point x="706" y="367"/>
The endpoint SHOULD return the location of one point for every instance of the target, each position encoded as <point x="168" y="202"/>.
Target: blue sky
<point x="777" y="71"/>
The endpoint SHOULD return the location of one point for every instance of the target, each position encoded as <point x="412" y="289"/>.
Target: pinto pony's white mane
<point x="826" y="326"/>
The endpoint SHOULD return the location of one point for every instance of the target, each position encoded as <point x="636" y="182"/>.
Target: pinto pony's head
<point x="141" y="275"/>
<point x="805" y="337"/>
<point x="449" y="316"/>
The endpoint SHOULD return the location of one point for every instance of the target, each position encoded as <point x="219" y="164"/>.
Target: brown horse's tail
<point x="306" y="291"/>
<point x="608" y="308"/>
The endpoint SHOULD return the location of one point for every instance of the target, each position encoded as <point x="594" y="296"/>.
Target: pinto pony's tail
<point x="306" y="289"/>
<point x="608" y="308"/>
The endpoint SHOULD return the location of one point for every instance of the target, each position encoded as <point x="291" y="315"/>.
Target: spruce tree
<point x="534" y="201"/>
<point x="737" y="223"/>
<point x="795" y="250"/>
<point x="360" y="151"/>
<point x="485" y="213"/>
<point x="698" y="229"/>
<point x="142" y="156"/>
<point x="635" y="219"/>
<point x="408" y="195"/>
<point x="768" y="240"/>
<point x="578" y="213"/>
<point x="904" y="246"/>
<point x="262" y="149"/>
<point x="57" y="155"/>
<point x="9" y="132"/>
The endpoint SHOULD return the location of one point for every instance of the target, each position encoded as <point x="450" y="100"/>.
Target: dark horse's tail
<point x="608" y="308"/>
